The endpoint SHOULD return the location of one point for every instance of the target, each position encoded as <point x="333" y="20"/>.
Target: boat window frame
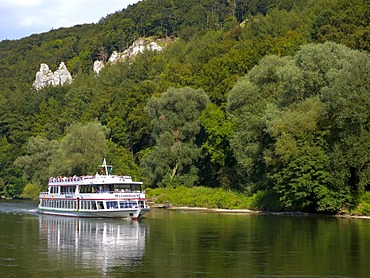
<point x="100" y="205"/>
<point x="111" y="204"/>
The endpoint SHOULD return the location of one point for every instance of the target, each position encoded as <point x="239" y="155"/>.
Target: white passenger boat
<point x="101" y="195"/>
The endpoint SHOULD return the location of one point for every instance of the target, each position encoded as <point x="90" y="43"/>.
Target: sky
<point x="22" y="18"/>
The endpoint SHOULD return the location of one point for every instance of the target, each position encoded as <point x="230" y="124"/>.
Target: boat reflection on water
<point x="93" y="243"/>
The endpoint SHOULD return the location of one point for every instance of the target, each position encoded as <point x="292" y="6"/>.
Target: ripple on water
<point x="18" y="207"/>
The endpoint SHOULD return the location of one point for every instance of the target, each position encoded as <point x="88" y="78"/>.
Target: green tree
<point x="123" y="161"/>
<point x="35" y="164"/>
<point x="6" y="173"/>
<point x="77" y="105"/>
<point x="247" y="104"/>
<point x="175" y="117"/>
<point x="300" y="165"/>
<point x="341" y="21"/>
<point x="49" y="122"/>
<point x="347" y="104"/>
<point x="301" y="126"/>
<point x="218" y="160"/>
<point x="30" y="191"/>
<point x="80" y="151"/>
<point x="218" y="130"/>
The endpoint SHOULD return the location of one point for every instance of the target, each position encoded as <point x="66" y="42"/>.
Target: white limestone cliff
<point x="137" y="47"/>
<point x="45" y="77"/>
<point x="98" y="66"/>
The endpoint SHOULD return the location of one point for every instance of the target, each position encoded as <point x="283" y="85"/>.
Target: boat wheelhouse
<point x="100" y="195"/>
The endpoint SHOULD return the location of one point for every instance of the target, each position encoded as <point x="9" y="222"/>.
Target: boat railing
<point x="118" y="191"/>
<point x="81" y="178"/>
<point x="66" y="179"/>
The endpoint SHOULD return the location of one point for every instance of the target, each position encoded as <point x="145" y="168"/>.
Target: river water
<point x="169" y="243"/>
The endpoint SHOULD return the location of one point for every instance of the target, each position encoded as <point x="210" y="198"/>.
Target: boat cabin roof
<point x="96" y="179"/>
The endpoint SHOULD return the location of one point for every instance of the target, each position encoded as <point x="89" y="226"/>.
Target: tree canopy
<point x="288" y="114"/>
<point x="268" y="98"/>
<point x="176" y="125"/>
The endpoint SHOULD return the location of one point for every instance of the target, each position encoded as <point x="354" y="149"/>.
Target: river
<point x="168" y="243"/>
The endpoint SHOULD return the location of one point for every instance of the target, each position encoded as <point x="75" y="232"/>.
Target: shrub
<point x="30" y="191"/>
<point x="199" y="196"/>
<point x="363" y="207"/>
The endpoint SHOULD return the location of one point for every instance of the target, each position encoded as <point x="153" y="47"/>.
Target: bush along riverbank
<point x="221" y="199"/>
<point x="199" y="196"/>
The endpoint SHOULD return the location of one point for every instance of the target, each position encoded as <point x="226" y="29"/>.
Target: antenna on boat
<point x="105" y="166"/>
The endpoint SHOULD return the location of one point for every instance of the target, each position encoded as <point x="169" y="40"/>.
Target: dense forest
<point x="264" y="97"/>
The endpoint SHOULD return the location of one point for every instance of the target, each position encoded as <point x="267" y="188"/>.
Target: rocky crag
<point x="138" y="46"/>
<point x="45" y="77"/>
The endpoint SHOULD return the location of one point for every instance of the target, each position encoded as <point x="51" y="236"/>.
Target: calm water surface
<point x="181" y="244"/>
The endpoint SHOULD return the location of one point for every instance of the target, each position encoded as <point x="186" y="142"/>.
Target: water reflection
<point x="93" y="243"/>
<point x="181" y="244"/>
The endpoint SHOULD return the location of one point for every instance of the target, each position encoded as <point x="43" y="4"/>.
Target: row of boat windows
<point x="90" y="205"/>
<point x="63" y="189"/>
<point x="71" y="189"/>
<point x="58" y="204"/>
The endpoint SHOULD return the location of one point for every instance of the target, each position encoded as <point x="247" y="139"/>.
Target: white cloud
<point x="20" y="3"/>
<point x="21" y="18"/>
<point x="28" y="21"/>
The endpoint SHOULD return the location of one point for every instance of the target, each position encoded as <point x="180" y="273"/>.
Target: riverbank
<point x="248" y="211"/>
<point x="218" y="200"/>
<point x="170" y="207"/>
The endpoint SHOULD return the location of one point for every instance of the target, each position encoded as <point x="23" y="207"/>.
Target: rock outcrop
<point x="45" y="77"/>
<point x="137" y="47"/>
<point x="98" y="66"/>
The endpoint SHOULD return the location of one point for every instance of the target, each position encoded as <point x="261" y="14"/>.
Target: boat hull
<point x="118" y="213"/>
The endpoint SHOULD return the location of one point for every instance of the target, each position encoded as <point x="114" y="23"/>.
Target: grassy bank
<point x="213" y="198"/>
<point x="199" y="197"/>
<point x="362" y="208"/>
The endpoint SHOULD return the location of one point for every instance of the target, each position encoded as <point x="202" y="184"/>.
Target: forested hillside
<point x="264" y="97"/>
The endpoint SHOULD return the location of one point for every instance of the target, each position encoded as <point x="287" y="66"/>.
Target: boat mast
<point x="105" y="166"/>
